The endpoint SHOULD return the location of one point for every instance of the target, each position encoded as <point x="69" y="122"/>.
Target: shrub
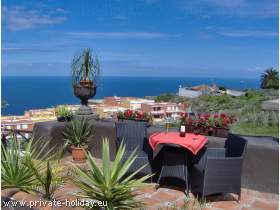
<point x="63" y="111"/>
<point x="110" y="184"/>
<point x="166" y="97"/>
<point x="260" y="118"/>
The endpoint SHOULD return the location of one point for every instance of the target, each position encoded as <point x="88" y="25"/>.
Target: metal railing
<point x="18" y="134"/>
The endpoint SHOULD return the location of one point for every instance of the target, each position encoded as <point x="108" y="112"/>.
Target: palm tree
<point x="270" y="79"/>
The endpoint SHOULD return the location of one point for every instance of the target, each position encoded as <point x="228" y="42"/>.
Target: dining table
<point x="177" y="153"/>
<point x="190" y="141"/>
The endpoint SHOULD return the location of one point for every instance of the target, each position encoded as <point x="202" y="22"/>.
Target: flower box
<point x="221" y="132"/>
<point x="208" y="124"/>
<point x="134" y="116"/>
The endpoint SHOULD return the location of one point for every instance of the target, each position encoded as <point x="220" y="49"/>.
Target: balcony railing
<point x="18" y="134"/>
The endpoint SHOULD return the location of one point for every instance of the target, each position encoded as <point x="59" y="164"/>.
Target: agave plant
<point x="23" y="169"/>
<point x="14" y="172"/>
<point x="109" y="183"/>
<point x="48" y="177"/>
<point x="85" y="67"/>
<point x="77" y="132"/>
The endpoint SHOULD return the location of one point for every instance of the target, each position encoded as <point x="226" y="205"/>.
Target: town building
<point x="162" y="110"/>
<point x="196" y="91"/>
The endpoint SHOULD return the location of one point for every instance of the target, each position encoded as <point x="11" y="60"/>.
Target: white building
<point x="136" y="104"/>
<point x="184" y="92"/>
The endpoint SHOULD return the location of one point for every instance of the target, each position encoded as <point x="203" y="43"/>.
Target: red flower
<point x="223" y="115"/>
<point x="206" y="115"/>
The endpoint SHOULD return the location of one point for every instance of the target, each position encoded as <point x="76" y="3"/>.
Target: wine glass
<point x="167" y="121"/>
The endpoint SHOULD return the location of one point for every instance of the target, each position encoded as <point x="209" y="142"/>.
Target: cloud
<point x="18" y="50"/>
<point x="255" y="34"/>
<point x="21" y="18"/>
<point x="118" y="35"/>
<point x="232" y="8"/>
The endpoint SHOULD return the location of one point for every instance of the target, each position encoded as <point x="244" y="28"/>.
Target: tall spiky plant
<point x="110" y="183"/>
<point x="85" y="67"/>
<point x="270" y="79"/>
<point x="77" y="132"/>
<point x="24" y="169"/>
<point x="14" y="172"/>
<point x="49" y="177"/>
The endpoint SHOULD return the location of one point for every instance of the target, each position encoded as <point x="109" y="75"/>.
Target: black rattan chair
<point x="218" y="170"/>
<point x="134" y="135"/>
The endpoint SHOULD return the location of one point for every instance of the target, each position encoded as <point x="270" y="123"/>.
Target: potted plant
<point x="77" y="133"/>
<point x="221" y="124"/>
<point x="134" y="116"/>
<point x="85" y="71"/>
<point x="63" y="113"/>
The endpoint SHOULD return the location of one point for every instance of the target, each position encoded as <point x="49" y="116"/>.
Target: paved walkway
<point x="166" y="198"/>
<point x="170" y="199"/>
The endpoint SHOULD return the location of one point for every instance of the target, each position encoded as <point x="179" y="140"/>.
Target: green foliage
<point x="77" y="132"/>
<point x="14" y="171"/>
<point x="166" y="97"/>
<point x="85" y="67"/>
<point x="23" y="169"/>
<point x="227" y="103"/>
<point x="260" y="118"/>
<point x="110" y="183"/>
<point x="270" y="94"/>
<point x="48" y="177"/>
<point x="246" y="107"/>
<point x="251" y="129"/>
<point x="270" y="79"/>
<point x="63" y="111"/>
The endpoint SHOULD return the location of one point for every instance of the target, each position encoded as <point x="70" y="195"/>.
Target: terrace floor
<point x="169" y="198"/>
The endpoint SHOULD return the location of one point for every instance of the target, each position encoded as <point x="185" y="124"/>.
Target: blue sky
<point x="197" y="38"/>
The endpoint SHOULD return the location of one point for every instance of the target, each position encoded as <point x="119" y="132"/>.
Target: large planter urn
<point x="84" y="93"/>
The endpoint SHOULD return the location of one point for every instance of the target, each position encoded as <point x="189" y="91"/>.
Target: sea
<point x="24" y="93"/>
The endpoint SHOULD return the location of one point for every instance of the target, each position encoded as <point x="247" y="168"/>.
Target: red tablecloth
<point x="191" y="141"/>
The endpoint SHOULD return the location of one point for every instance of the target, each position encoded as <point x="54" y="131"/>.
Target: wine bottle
<point x="182" y="130"/>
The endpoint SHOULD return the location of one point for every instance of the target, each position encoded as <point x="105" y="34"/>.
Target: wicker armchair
<point x="218" y="170"/>
<point x="134" y="135"/>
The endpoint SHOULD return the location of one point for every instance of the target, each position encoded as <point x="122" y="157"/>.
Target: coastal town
<point x="105" y="108"/>
<point x="141" y="105"/>
<point x="110" y="106"/>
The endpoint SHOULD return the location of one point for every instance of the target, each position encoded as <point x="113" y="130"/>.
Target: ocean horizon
<point x="34" y="92"/>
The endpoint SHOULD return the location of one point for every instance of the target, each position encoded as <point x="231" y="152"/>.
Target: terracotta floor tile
<point x="264" y="204"/>
<point x="229" y="205"/>
<point x="9" y="192"/>
<point x="247" y="199"/>
<point x="20" y="195"/>
<point x="151" y="203"/>
<point x="164" y="196"/>
<point x="149" y="189"/>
